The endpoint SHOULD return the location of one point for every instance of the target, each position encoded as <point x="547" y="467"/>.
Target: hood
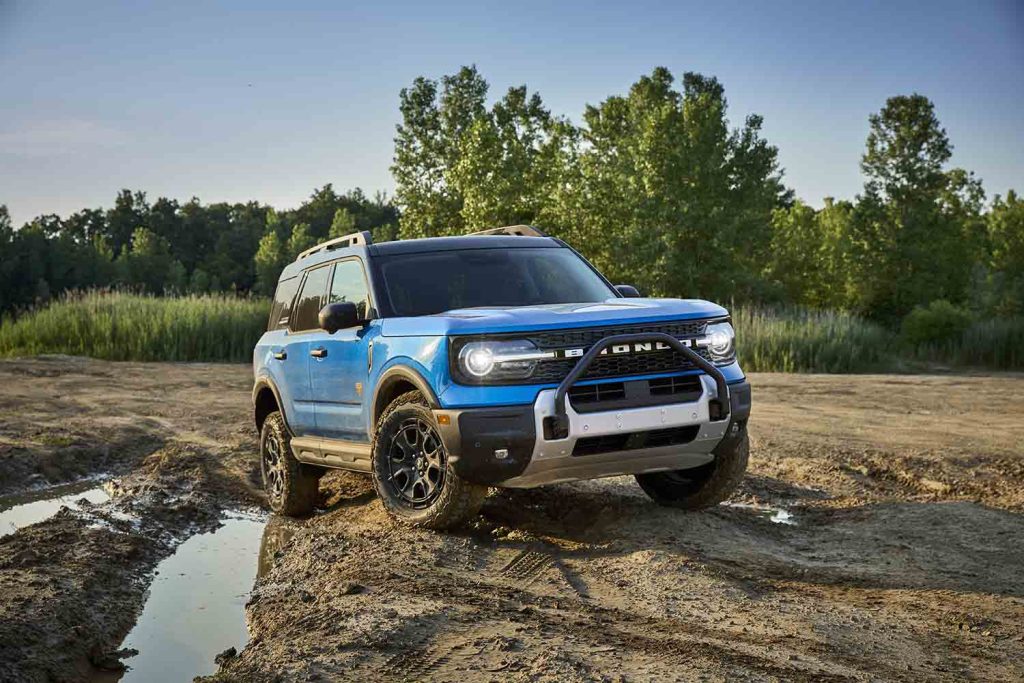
<point x="551" y="316"/>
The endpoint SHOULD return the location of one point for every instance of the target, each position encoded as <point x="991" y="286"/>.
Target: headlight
<point x="721" y="339"/>
<point x="494" y="361"/>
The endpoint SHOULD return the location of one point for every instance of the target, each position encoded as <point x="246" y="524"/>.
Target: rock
<point x="305" y="597"/>
<point x="225" y="656"/>
<point x="352" y="588"/>
<point x="110" y="661"/>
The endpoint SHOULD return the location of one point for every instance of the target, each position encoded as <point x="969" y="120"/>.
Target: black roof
<point x="467" y="242"/>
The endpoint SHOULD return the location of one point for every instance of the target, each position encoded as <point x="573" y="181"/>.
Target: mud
<point x="899" y="558"/>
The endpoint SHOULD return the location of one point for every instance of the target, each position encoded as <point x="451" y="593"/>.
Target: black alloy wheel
<point x="273" y="468"/>
<point x="416" y="463"/>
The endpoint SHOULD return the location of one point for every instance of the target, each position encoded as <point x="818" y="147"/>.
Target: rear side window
<point x="349" y="285"/>
<point x="311" y="300"/>
<point x="282" y="307"/>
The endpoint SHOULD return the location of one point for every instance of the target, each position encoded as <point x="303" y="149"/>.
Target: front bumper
<point x="508" y="446"/>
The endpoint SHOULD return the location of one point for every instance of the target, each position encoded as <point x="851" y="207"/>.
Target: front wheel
<point x="411" y="472"/>
<point x="703" y="486"/>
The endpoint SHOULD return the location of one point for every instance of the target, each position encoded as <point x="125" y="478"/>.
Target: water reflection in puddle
<point x="196" y="604"/>
<point x="776" y="515"/>
<point x="22" y="509"/>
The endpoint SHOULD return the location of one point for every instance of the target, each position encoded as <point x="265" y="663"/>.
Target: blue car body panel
<point x="332" y="396"/>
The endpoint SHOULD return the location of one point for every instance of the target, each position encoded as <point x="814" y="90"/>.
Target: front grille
<point x="686" y="387"/>
<point x="610" y="443"/>
<point x="615" y="366"/>
<point x="637" y="393"/>
<point x="597" y="393"/>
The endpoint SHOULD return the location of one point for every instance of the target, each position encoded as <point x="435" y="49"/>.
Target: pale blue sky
<point x="236" y="101"/>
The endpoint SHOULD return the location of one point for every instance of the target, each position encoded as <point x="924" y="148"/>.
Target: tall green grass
<point x="122" y="326"/>
<point x="996" y="343"/>
<point x="798" y="340"/>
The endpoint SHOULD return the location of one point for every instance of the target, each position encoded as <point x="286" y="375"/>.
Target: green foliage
<point x="1002" y="280"/>
<point x="122" y="326"/>
<point x="994" y="343"/>
<point x="792" y="339"/>
<point x="655" y="187"/>
<point x="170" y="247"/>
<point x="343" y="223"/>
<point x="937" y="324"/>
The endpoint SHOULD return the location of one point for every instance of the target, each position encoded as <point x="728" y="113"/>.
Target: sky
<point x="266" y="101"/>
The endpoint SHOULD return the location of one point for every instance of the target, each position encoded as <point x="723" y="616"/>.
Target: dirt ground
<point x="902" y="559"/>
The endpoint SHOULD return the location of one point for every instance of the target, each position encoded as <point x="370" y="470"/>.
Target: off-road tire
<point x="458" y="500"/>
<point x="699" y="487"/>
<point x="296" y="494"/>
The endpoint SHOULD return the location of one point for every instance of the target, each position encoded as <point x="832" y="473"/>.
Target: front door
<point x="339" y="363"/>
<point x="296" y="365"/>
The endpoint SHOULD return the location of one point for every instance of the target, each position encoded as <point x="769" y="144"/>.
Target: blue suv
<point x="445" y="366"/>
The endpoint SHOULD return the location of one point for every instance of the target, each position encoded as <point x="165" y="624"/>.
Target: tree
<point x="909" y="243"/>
<point x="427" y="148"/>
<point x="906" y="150"/>
<point x="502" y="165"/>
<point x="300" y="240"/>
<point x="344" y="223"/>
<point x="808" y="254"/>
<point x="668" y="196"/>
<point x="269" y="263"/>
<point x="130" y="212"/>
<point x="1005" y="262"/>
<point x="148" y="263"/>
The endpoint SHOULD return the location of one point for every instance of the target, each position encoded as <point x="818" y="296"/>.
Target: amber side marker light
<point x="444" y="419"/>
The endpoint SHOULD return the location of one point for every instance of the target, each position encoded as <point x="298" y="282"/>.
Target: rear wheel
<point x="699" y="487"/>
<point x="290" y="485"/>
<point x="411" y="472"/>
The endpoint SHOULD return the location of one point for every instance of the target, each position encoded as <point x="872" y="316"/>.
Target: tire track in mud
<point x="426" y="660"/>
<point x="526" y="567"/>
<point x="508" y="594"/>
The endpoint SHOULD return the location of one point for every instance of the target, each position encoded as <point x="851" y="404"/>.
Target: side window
<point x="310" y="301"/>
<point x="282" y="307"/>
<point x="349" y="285"/>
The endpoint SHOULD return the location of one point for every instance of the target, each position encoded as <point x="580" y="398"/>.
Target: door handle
<point x="319" y="352"/>
<point x="280" y="355"/>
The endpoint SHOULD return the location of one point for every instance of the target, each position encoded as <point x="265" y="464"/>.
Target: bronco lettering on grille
<point x="630" y="349"/>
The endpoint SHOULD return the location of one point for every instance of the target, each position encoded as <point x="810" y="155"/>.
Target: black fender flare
<point x="267" y="383"/>
<point x="387" y="379"/>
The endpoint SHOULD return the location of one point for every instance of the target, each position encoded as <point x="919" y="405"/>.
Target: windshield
<point x="434" y="282"/>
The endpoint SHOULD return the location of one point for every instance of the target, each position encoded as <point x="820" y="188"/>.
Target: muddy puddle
<point x="772" y="514"/>
<point x="31" y="507"/>
<point x="195" y="608"/>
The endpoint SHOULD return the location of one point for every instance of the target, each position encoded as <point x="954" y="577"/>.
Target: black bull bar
<point x="559" y="426"/>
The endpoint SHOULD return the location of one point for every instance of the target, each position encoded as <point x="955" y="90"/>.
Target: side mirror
<point x="340" y="316"/>
<point x="628" y="291"/>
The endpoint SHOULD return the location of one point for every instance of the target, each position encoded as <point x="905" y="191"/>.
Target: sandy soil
<point x="903" y="563"/>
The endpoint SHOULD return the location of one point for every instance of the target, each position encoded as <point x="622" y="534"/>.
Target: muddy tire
<point x="699" y="487"/>
<point x="291" y="486"/>
<point x="411" y="472"/>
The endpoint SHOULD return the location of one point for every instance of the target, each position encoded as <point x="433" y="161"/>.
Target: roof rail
<point x="355" y="239"/>
<point x="517" y="230"/>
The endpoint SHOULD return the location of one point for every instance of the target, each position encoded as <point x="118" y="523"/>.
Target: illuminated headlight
<point x="499" y="360"/>
<point x="721" y="340"/>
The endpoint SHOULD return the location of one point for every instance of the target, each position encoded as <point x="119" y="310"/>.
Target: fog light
<point x="501" y="453"/>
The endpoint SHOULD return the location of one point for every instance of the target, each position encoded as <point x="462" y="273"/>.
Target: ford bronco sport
<point x="445" y="366"/>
